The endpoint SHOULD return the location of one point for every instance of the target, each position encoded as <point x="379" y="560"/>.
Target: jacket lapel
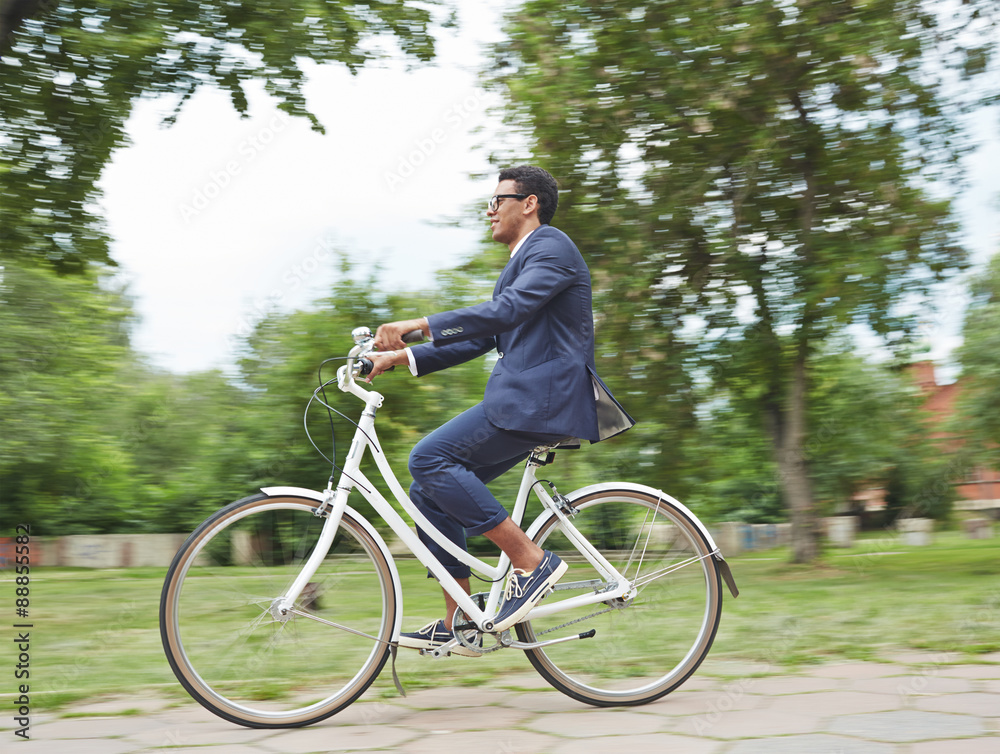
<point x="509" y="273"/>
<point x="514" y="265"/>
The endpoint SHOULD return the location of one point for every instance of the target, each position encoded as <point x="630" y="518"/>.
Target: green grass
<point x="866" y="602"/>
<point x="96" y="632"/>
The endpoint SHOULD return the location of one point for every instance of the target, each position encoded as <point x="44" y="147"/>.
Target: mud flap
<point x="727" y="575"/>
<point x="395" y="678"/>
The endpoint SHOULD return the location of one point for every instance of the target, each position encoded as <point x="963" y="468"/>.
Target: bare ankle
<point x="524" y="554"/>
<point x="529" y="562"/>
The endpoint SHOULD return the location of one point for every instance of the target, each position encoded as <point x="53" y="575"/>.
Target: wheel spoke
<point x="337" y="625"/>
<point x="650" y="577"/>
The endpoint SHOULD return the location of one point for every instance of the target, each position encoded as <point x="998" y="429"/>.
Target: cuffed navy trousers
<point x="451" y="468"/>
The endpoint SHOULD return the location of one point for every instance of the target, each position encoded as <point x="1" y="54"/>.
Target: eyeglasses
<point x="494" y="201"/>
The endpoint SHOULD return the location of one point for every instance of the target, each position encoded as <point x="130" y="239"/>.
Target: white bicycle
<point x="282" y="608"/>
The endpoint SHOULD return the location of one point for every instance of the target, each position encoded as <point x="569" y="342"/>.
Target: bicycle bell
<point x="361" y="334"/>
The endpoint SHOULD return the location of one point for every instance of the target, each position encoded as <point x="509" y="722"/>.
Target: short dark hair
<point x="534" y="180"/>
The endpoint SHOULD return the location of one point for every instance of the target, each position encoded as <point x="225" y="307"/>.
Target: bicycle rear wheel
<point x="646" y="646"/>
<point x="240" y="661"/>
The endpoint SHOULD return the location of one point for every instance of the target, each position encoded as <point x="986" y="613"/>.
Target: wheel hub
<point x="279" y="610"/>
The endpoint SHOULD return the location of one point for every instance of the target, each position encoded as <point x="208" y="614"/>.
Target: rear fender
<point x="724" y="569"/>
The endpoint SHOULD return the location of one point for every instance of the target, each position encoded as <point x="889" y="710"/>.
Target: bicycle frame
<point x="334" y="502"/>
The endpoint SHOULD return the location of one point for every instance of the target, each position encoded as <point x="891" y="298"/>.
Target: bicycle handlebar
<point x="363" y="337"/>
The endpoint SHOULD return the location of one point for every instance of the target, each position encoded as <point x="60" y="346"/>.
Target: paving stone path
<point x="912" y="703"/>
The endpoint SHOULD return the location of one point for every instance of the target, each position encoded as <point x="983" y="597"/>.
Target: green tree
<point x="762" y="173"/>
<point x="737" y="480"/>
<point x="91" y="438"/>
<point x="71" y="71"/>
<point x="62" y="341"/>
<point x="868" y="430"/>
<point x="185" y="438"/>
<point x="979" y="356"/>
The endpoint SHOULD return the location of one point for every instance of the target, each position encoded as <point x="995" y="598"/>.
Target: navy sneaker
<point x="524" y="590"/>
<point x="434" y="635"/>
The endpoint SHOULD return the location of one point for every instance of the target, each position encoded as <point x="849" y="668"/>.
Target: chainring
<point x="460" y="623"/>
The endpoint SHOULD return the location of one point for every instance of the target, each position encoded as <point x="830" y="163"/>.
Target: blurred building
<point x="979" y="489"/>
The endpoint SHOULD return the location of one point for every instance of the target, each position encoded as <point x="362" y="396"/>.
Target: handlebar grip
<point x="367" y="365"/>
<point x="414" y="336"/>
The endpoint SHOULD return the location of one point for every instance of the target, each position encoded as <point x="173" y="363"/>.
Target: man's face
<point x="507" y="221"/>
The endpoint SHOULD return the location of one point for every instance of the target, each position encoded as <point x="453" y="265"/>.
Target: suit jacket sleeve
<point x="546" y="269"/>
<point x="430" y="357"/>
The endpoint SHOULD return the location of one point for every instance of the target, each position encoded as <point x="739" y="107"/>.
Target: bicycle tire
<point x="645" y="647"/>
<point x="240" y="662"/>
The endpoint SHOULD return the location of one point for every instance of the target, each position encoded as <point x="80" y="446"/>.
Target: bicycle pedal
<point x="435" y="654"/>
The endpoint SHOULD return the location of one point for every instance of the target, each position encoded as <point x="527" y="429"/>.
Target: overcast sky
<point x="219" y="218"/>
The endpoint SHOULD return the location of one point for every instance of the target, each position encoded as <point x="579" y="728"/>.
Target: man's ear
<point x="530" y="204"/>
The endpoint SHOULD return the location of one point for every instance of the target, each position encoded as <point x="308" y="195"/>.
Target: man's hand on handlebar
<point x="383" y="361"/>
<point x="390" y="335"/>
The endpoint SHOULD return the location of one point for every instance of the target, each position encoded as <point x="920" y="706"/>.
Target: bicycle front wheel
<point x="647" y="645"/>
<point x="242" y="662"/>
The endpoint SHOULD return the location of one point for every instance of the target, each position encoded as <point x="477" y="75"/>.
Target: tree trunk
<point x="788" y="432"/>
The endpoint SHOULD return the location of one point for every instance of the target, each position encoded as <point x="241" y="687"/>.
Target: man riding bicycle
<point x="543" y="390"/>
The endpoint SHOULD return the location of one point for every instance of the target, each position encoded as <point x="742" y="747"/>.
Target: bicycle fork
<point x="332" y="507"/>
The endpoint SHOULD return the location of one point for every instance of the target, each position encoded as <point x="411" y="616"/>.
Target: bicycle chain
<point x="578" y="620"/>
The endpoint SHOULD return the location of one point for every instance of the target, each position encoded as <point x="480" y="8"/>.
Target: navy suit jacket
<point x="541" y="323"/>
